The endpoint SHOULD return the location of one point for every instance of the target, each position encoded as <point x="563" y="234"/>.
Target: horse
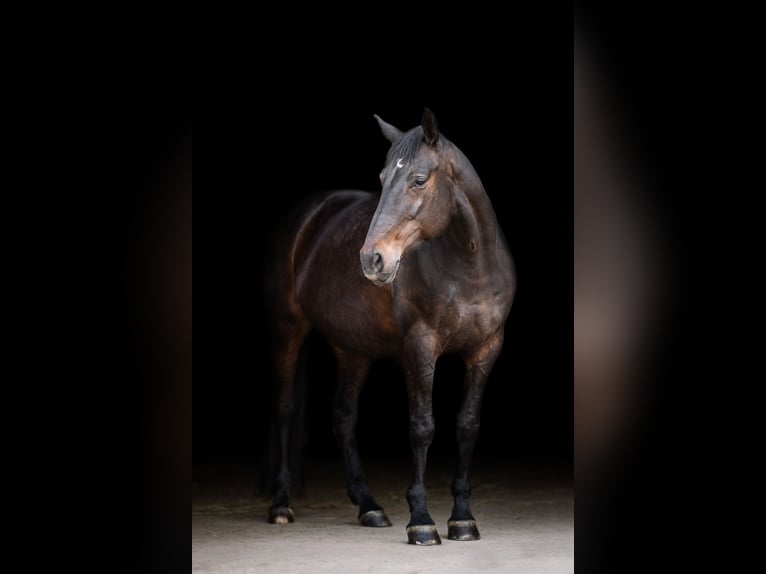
<point x="419" y="270"/>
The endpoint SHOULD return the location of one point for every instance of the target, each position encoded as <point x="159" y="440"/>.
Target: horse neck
<point x="473" y="230"/>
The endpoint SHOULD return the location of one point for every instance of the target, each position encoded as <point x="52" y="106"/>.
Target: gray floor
<point x="526" y="524"/>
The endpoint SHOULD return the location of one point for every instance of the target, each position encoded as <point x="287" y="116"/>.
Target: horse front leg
<point x="462" y="524"/>
<point x="419" y="361"/>
<point x="352" y="373"/>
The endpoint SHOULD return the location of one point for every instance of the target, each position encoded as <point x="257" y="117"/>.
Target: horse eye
<point x="420" y="181"/>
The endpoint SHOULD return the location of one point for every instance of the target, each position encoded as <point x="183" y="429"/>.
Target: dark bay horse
<point x="420" y="270"/>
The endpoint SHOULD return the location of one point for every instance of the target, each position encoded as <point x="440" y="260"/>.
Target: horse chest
<point x="463" y="318"/>
<point x="476" y="321"/>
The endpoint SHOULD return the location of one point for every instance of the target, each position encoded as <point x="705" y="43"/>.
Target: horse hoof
<point x="462" y="530"/>
<point x="423" y="535"/>
<point x="281" y="515"/>
<point x="376" y="518"/>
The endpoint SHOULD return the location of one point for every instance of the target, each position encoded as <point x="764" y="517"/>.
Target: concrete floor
<point x="526" y="523"/>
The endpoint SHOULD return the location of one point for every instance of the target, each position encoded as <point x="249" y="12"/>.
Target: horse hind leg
<point x="288" y="342"/>
<point x="352" y="374"/>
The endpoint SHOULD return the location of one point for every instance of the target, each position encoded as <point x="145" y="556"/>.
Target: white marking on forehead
<point x="399" y="163"/>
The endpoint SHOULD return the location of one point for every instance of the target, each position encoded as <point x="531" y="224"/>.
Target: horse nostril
<point x="377" y="262"/>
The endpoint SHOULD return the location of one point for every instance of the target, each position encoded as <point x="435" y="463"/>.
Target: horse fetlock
<point x="461" y="488"/>
<point x="416" y="498"/>
<point x="421" y="518"/>
<point x="461" y="510"/>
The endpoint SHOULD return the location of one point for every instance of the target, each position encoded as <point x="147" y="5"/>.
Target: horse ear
<point x="430" y="128"/>
<point x="391" y="133"/>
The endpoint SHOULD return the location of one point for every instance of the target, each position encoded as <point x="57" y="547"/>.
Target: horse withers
<point x="417" y="271"/>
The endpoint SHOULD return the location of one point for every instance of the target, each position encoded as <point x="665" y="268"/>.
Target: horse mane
<point x="408" y="145"/>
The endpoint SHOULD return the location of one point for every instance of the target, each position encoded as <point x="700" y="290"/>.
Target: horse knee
<point x="416" y="496"/>
<point x="422" y="430"/>
<point x="343" y="421"/>
<point x="467" y="428"/>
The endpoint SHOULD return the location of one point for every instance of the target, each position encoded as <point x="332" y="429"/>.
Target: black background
<point x="274" y="153"/>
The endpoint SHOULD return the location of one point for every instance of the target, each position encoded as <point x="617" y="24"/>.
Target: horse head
<point x="416" y="200"/>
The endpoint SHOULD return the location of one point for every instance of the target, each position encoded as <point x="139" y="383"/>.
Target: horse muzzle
<point x="377" y="267"/>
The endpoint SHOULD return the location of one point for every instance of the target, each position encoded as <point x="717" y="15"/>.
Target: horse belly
<point x="352" y="317"/>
